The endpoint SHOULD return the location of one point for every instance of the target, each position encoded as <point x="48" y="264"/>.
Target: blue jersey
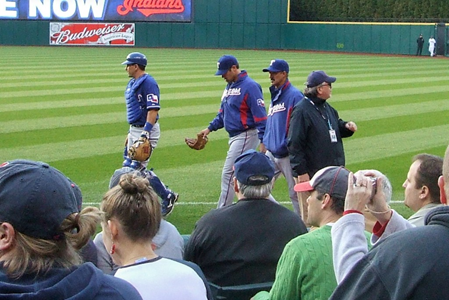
<point x="141" y="94"/>
<point x="242" y="107"/>
<point x="282" y="102"/>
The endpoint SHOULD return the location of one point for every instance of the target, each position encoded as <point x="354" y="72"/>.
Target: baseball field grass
<point x="65" y="106"/>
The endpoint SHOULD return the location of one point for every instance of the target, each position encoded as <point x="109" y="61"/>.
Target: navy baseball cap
<point x="277" y="65"/>
<point x="225" y="63"/>
<point x="36" y="198"/>
<point x="253" y="168"/>
<point x="318" y="77"/>
<point x="331" y="180"/>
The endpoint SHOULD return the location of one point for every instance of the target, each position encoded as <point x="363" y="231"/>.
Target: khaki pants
<point x="302" y="199"/>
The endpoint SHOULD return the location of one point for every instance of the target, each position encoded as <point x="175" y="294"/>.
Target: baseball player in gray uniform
<point x="242" y="113"/>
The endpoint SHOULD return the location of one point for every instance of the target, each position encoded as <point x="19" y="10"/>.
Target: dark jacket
<point x="78" y="283"/>
<point x="410" y="264"/>
<point x="309" y="143"/>
<point x="241" y="243"/>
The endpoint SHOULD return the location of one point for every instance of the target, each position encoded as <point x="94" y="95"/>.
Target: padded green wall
<point x="247" y="24"/>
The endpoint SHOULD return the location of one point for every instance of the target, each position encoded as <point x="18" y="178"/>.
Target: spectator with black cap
<point x="315" y="134"/>
<point x="241" y="243"/>
<point x="41" y="232"/>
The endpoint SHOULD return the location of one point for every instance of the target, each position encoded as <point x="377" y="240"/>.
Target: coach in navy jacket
<point x="316" y="131"/>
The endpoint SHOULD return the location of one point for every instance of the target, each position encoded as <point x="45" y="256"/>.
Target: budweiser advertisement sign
<point x="98" y="10"/>
<point x="94" y="34"/>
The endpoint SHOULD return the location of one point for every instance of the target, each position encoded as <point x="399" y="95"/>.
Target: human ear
<point x="443" y="198"/>
<point x="7" y="236"/>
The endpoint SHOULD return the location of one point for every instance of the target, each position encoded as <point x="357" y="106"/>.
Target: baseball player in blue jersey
<point x="142" y="107"/>
<point x="284" y="96"/>
<point x="242" y="113"/>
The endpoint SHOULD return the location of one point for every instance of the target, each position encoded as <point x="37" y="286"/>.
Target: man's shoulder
<point x="319" y="236"/>
<point x="148" y="79"/>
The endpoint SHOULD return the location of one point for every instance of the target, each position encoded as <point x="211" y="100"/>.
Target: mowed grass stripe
<point x="354" y="95"/>
<point x="357" y="150"/>
<point x="362" y="114"/>
<point x="95" y="119"/>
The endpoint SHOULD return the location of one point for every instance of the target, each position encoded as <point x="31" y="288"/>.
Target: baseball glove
<point x="198" y="143"/>
<point x="140" y="150"/>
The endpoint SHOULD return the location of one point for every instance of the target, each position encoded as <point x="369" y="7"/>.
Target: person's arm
<point x="388" y="221"/>
<point x="349" y="243"/>
<point x="395" y="223"/>
<point x="363" y="282"/>
<point x="152" y="95"/>
<point x="216" y="123"/>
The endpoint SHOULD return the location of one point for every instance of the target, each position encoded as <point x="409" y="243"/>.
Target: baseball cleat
<point x="168" y="204"/>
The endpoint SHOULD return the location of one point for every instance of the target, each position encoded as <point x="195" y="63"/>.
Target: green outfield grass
<point x="65" y="106"/>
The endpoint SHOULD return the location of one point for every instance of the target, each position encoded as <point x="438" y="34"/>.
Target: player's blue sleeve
<point x="151" y="93"/>
<point x="217" y="122"/>
<point x="257" y="106"/>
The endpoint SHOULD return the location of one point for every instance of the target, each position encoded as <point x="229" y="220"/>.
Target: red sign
<point x="151" y="7"/>
<point x="92" y="34"/>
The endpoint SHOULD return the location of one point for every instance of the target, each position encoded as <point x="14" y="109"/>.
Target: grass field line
<point x="181" y="203"/>
<point x="363" y="114"/>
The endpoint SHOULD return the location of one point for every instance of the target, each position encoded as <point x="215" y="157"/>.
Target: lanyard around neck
<point x="324" y="118"/>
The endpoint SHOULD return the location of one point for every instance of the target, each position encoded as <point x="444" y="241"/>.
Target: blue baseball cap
<point x="318" y="77"/>
<point x="277" y="65"/>
<point x="35" y="198"/>
<point x="225" y="63"/>
<point x="253" y="168"/>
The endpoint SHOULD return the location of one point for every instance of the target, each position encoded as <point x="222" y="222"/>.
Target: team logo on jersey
<point x="275" y="109"/>
<point x="260" y="102"/>
<point x="4" y="164"/>
<point x="233" y="92"/>
<point x="152" y="98"/>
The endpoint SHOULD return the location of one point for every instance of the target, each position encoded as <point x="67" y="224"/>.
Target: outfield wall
<point x="249" y="24"/>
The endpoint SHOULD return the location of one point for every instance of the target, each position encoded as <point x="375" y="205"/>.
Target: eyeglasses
<point x="326" y="84"/>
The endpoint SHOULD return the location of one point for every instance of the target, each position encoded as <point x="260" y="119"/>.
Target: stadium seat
<point x="238" y="292"/>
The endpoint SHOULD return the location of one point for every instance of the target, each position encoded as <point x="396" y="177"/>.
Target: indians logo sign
<point x="95" y="34"/>
<point x="98" y="10"/>
<point x="151" y="7"/>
